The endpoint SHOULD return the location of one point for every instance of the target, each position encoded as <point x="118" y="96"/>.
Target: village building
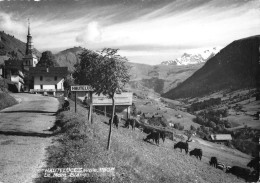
<point x="221" y="138"/>
<point x="14" y="73"/>
<point x="48" y="80"/>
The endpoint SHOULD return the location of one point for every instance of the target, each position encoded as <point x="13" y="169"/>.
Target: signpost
<point x="124" y="99"/>
<point x="80" y="88"/>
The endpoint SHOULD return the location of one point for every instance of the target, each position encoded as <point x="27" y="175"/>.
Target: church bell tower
<point x="29" y="45"/>
<point x="30" y="59"/>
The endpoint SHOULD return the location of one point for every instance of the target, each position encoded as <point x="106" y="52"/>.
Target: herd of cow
<point x="244" y="173"/>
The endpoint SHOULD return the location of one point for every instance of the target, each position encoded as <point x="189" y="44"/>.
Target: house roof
<point x="51" y="71"/>
<point x="221" y="137"/>
<point x="13" y="63"/>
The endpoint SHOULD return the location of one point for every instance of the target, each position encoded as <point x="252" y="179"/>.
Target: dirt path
<point x="23" y="137"/>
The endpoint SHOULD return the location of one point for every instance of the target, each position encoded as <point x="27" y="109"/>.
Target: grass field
<point x="83" y="145"/>
<point x="6" y="100"/>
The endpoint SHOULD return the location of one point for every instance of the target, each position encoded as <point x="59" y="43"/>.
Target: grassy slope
<point x="6" y="100"/>
<point x="238" y="118"/>
<point x="168" y="113"/>
<point x="134" y="160"/>
<point x="166" y="77"/>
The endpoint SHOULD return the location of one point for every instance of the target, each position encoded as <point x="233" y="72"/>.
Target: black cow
<point x="213" y="161"/>
<point x="254" y="163"/>
<point x="239" y="172"/>
<point x="115" y="121"/>
<point x="131" y="122"/>
<point x="182" y="145"/>
<point x="162" y="135"/>
<point x="196" y="152"/>
<point x="155" y="136"/>
<point x="147" y="130"/>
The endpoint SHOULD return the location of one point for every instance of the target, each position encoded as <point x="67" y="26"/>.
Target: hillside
<point x="10" y="46"/>
<point x="82" y="144"/>
<point x="160" y="78"/>
<point x="234" y="67"/>
<point x="68" y="58"/>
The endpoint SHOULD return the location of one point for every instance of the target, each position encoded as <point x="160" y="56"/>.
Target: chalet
<point x="13" y="71"/>
<point x="48" y="80"/>
<point x="220" y="138"/>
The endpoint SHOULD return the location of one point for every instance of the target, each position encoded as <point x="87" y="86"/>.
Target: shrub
<point x="192" y="128"/>
<point x="178" y="126"/>
<point x="212" y="124"/>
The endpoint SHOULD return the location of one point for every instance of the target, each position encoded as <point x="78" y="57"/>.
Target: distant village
<point x="26" y="76"/>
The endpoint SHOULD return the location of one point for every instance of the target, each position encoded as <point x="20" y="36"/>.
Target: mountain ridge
<point x="195" y="58"/>
<point x="235" y="66"/>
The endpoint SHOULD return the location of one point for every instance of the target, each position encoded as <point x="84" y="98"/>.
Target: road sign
<point x="81" y="88"/>
<point x="124" y="98"/>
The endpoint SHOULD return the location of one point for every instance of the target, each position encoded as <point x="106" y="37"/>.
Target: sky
<point x="145" y="31"/>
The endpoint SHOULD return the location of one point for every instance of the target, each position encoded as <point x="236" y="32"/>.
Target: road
<point x="24" y="137"/>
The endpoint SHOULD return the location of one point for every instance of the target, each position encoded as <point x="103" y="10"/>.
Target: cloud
<point x="142" y="31"/>
<point x="12" y="25"/>
<point x="91" y="34"/>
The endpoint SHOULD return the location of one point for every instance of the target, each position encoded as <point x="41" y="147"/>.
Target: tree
<point x="47" y="60"/>
<point x="106" y="72"/>
<point x="68" y="82"/>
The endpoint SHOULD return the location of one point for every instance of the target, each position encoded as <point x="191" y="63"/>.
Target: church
<point x="27" y="77"/>
<point x="44" y="80"/>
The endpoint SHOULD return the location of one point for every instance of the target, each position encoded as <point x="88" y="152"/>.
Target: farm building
<point x="220" y="138"/>
<point x="13" y="71"/>
<point x="48" y="80"/>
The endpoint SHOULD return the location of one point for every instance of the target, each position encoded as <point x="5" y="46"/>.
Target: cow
<point x="115" y="121"/>
<point x="254" y="163"/>
<point x="213" y="161"/>
<point x="197" y="153"/>
<point x="131" y="122"/>
<point x="228" y="167"/>
<point x="182" y="145"/>
<point x="155" y="136"/>
<point x="147" y="130"/>
<point x="162" y="135"/>
<point x="239" y="172"/>
<point x="221" y="166"/>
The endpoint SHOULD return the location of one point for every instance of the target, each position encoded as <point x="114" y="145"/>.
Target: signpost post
<point x="80" y="88"/>
<point x="75" y="102"/>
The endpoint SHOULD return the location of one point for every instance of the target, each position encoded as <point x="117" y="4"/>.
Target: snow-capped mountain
<point x="196" y="58"/>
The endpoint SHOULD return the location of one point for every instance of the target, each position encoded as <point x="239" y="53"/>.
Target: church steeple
<point x="29" y="46"/>
<point x="29" y="26"/>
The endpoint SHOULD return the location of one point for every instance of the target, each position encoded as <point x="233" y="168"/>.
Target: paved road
<point x="23" y="137"/>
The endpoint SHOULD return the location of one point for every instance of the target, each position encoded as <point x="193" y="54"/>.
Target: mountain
<point x="187" y="59"/>
<point x="236" y="66"/>
<point x="12" y="47"/>
<point x="69" y="57"/>
<point x="160" y="78"/>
